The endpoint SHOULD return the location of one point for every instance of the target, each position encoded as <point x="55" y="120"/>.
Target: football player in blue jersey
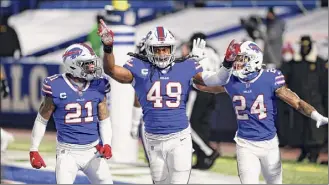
<point x="162" y="85"/>
<point x="77" y="102"/>
<point x="254" y="91"/>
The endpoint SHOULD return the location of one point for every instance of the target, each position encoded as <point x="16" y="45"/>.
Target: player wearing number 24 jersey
<point x="162" y="85"/>
<point x="77" y="101"/>
<point x="254" y="91"/>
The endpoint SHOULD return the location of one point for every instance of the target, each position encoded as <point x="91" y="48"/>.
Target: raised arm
<point x="118" y="73"/>
<point x="294" y="101"/>
<point x="222" y="76"/>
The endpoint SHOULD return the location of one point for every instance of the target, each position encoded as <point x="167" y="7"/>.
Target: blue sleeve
<point x="135" y="66"/>
<point x="195" y="66"/>
<point x="105" y="86"/>
<point x="46" y="88"/>
<point x="279" y="80"/>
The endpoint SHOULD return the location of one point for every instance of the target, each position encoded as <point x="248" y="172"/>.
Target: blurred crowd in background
<point x="306" y="73"/>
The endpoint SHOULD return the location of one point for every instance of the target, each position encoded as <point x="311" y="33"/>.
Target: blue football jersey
<point x="255" y="104"/>
<point x="76" y="112"/>
<point x="163" y="93"/>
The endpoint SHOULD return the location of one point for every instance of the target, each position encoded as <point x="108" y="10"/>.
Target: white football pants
<point x="171" y="159"/>
<point x="69" y="162"/>
<point x="255" y="157"/>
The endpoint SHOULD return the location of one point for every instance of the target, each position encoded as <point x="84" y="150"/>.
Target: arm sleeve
<point x="279" y="80"/>
<point x="105" y="131"/>
<point x="218" y="78"/>
<point x="38" y="132"/>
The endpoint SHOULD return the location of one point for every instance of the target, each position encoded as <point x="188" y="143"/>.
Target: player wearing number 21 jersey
<point x="77" y="101"/>
<point x="254" y="91"/>
<point x="162" y="85"/>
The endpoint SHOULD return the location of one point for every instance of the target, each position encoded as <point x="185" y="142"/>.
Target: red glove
<point x="105" y="33"/>
<point x="106" y="151"/>
<point x="98" y="147"/>
<point x="36" y="160"/>
<point x="232" y="51"/>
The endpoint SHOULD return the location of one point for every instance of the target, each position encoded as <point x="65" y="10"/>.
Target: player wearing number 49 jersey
<point x="77" y="101"/>
<point x="162" y="85"/>
<point x="253" y="91"/>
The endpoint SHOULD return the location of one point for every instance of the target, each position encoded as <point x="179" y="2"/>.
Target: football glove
<point x="36" y="160"/>
<point x="106" y="36"/>
<point x="198" y="49"/>
<point x="106" y="151"/>
<point x="320" y="120"/>
<point x="232" y="51"/>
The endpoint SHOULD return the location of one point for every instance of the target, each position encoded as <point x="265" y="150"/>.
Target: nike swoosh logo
<point x="182" y="139"/>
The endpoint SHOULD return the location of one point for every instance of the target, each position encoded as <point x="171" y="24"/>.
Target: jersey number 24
<point x="258" y="107"/>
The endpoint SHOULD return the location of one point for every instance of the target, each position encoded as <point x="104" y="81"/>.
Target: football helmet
<point x="81" y="61"/>
<point x="160" y="46"/>
<point x="248" y="61"/>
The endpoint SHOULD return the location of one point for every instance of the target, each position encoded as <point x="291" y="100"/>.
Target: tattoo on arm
<point x="103" y="111"/>
<point x="47" y="107"/>
<point x="293" y="100"/>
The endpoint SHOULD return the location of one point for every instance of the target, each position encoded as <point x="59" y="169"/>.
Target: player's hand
<point x="198" y="49"/>
<point x="105" y="33"/>
<point x="321" y="121"/>
<point x="106" y="151"/>
<point x="36" y="160"/>
<point x="98" y="147"/>
<point x="232" y="51"/>
<point x="134" y="131"/>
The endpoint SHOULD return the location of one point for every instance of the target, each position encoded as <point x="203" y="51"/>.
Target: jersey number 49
<point x="154" y="94"/>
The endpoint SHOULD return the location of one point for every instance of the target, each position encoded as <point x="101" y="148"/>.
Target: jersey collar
<point x="253" y="80"/>
<point x="72" y="86"/>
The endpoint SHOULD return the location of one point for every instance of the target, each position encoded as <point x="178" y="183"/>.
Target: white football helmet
<point x="160" y="46"/>
<point x="249" y="60"/>
<point x="81" y="61"/>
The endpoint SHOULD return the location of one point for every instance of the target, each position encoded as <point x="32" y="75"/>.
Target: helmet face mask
<point x="81" y="62"/>
<point x="90" y="69"/>
<point x="248" y="61"/>
<point x="160" y="47"/>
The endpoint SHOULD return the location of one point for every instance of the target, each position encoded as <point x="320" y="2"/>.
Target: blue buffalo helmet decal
<point x="73" y="53"/>
<point x="254" y="47"/>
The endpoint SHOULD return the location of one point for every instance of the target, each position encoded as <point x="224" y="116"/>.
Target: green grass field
<point x="293" y="173"/>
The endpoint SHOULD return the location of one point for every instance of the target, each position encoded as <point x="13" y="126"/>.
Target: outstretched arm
<point x="118" y="73"/>
<point x="221" y="77"/>
<point x="214" y="89"/>
<point x="293" y="100"/>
